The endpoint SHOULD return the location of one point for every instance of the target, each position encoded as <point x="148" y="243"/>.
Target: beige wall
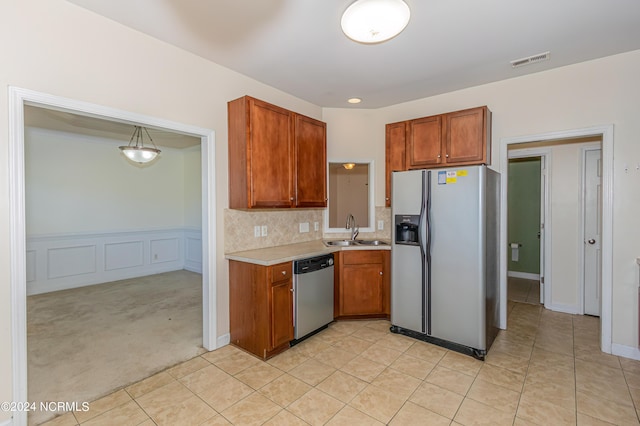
<point x="55" y="47"/>
<point x="599" y="92"/>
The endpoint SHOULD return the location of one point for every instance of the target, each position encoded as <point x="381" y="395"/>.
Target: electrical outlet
<point x="304" y="227"/>
<point x="256" y="231"/>
<point x="316" y="226"/>
<point x="264" y="230"/>
<point x="380" y="225"/>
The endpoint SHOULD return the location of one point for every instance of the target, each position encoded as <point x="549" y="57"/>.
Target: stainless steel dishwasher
<point x="313" y="295"/>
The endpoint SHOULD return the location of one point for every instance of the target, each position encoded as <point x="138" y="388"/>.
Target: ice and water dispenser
<point x="407" y="229"/>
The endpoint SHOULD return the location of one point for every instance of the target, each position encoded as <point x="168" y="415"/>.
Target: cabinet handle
<point x="438" y="155"/>
<point x="291" y="290"/>
<point x="380" y="272"/>
<point x="447" y="156"/>
<point x="291" y="199"/>
<point x="284" y="272"/>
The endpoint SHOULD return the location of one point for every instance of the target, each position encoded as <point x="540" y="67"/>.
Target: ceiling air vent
<point x="530" y="60"/>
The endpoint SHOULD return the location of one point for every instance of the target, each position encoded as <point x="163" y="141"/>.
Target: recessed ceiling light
<point x="354" y="100"/>
<point x="375" y="21"/>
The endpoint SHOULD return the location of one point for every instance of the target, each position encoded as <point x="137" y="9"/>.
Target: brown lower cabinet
<point x="261" y="307"/>
<point x="362" y="284"/>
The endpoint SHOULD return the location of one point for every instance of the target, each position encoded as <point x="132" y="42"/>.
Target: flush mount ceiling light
<point x="375" y="21"/>
<point x="137" y="151"/>
<point x="354" y="100"/>
<point x="348" y="166"/>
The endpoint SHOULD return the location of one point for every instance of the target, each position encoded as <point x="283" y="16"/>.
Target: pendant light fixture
<point x="375" y="21"/>
<point x="349" y="166"/>
<point x="137" y="152"/>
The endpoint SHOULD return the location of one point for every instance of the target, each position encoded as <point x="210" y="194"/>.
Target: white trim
<point x="7" y="422"/>
<point x="561" y="307"/>
<point x="625" y="351"/>
<point x="607" y="220"/>
<point x="113" y="258"/>
<point x="17" y="252"/>
<point x="523" y="275"/>
<point x="19" y="97"/>
<point x="371" y="209"/>
<point x="224" y="340"/>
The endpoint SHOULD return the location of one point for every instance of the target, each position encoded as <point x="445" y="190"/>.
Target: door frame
<point x="606" y="132"/>
<point x="583" y="152"/>
<point x="545" y="215"/>
<point x="18" y="98"/>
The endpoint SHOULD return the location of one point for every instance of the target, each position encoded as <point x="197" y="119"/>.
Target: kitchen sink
<point x="371" y="243"/>
<point x="339" y="243"/>
<point x="344" y="243"/>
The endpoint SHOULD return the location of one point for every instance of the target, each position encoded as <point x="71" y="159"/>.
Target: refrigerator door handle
<point x="424" y="236"/>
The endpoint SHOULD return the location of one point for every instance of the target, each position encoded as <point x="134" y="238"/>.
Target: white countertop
<point x="274" y="255"/>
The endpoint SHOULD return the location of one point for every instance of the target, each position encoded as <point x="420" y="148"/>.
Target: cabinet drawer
<point x="361" y="256"/>
<point x="281" y="272"/>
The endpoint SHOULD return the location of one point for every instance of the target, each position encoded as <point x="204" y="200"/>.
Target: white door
<point x="592" y="231"/>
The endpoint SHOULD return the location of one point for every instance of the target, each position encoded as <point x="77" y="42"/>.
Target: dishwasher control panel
<point x="312" y="264"/>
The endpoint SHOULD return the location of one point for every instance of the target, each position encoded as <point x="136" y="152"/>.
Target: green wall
<point x="524" y="213"/>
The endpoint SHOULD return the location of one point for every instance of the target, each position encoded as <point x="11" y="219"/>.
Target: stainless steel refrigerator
<point x="444" y="257"/>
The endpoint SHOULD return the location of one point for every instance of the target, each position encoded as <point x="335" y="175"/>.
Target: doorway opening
<point x="526" y="203"/>
<point x="19" y="98"/>
<point x="568" y="241"/>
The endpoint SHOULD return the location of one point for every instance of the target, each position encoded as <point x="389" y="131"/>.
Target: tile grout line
<point x="526" y="373"/>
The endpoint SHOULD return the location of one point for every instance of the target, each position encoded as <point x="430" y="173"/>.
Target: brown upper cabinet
<point x="395" y="153"/>
<point x="452" y="139"/>
<point x="277" y="158"/>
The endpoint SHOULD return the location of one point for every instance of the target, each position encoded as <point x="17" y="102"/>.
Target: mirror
<point x="350" y="191"/>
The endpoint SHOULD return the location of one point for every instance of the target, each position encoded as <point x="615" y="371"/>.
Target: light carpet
<point x="86" y="342"/>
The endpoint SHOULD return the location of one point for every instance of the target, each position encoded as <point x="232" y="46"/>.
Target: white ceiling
<point x="297" y="45"/>
<point x="62" y="121"/>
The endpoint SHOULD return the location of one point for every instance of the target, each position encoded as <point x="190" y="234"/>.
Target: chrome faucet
<point x="351" y="224"/>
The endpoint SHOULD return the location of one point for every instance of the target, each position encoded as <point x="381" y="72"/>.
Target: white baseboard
<point x="524" y="275"/>
<point x="7" y="422"/>
<point x="625" y="351"/>
<point x="64" y="261"/>
<point x="223" y="340"/>
<point x="559" y="307"/>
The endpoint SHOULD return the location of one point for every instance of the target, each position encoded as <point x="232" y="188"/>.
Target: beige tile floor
<point x="545" y="370"/>
<point x="523" y="290"/>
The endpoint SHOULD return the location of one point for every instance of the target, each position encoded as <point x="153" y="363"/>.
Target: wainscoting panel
<point x="70" y="261"/>
<point x="58" y="262"/>
<point x="165" y="250"/>
<point x="123" y="255"/>
<point x="193" y="251"/>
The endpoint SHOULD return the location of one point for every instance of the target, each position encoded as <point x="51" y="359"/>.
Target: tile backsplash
<point x="283" y="227"/>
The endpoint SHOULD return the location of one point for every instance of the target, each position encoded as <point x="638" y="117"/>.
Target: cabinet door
<point x="424" y="142"/>
<point x="311" y="162"/>
<point x="361" y="289"/>
<point x="281" y="313"/>
<point x="270" y="154"/>
<point x="395" y="154"/>
<point x="465" y="136"/>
